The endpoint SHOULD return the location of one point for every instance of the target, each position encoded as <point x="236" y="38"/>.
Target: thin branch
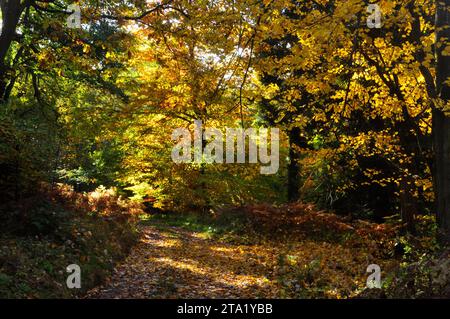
<point x="143" y="14"/>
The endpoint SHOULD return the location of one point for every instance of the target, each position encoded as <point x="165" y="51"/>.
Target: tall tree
<point x="32" y="27"/>
<point x="441" y="119"/>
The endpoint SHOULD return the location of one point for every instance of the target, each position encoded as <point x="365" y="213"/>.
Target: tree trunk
<point x="441" y="121"/>
<point x="294" y="167"/>
<point x="408" y="203"/>
<point x="11" y="12"/>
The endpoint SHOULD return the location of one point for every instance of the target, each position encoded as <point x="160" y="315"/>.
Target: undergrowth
<point x="61" y="228"/>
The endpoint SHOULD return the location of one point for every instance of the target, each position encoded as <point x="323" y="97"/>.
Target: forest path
<point x="172" y="262"/>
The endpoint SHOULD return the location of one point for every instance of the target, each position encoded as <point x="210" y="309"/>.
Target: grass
<point x="207" y="226"/>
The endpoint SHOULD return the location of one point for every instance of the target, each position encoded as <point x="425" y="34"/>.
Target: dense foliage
<point x="362" y="111"/>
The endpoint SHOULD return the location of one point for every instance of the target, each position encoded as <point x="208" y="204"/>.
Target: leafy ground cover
<point x="224" y="256"/>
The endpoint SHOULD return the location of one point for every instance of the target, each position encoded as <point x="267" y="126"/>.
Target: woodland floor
<point x="179" y="263"/>
<point x="175" y="262"/>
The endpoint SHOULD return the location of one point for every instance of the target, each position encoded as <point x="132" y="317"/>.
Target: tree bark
<point x="11" y="12"/>
<point x="408" y="203"/>
<point x="294" y="167"/>
<point x="441" y="121"/>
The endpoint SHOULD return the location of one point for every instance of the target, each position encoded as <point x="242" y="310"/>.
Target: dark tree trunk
<point x="441" y="121"/>
<point x="408" y="203"/>
<point x="11" y="12"/>
<point x="295" y="142"/>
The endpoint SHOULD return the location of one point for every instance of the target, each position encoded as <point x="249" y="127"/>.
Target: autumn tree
<point x="441" y="120"/>
<point x="287" y="100"/>
<point x="26" y="23"/>
<point x="44" y="64"/>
